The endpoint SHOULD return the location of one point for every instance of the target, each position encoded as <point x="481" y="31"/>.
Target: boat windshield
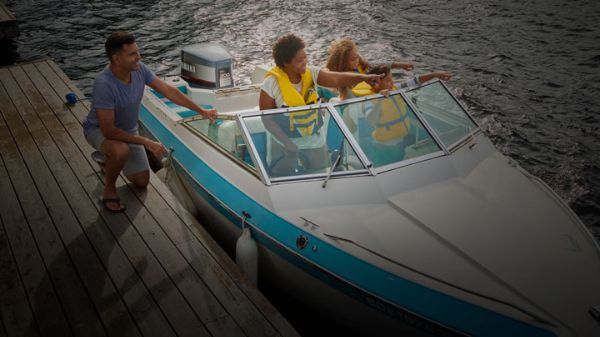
<point x="386" y="129"/>
<point x="300" y="143"/>
<point x="442" y="112"/>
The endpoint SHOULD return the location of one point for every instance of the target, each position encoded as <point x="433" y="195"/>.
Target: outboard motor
<point x="207" y="65"/>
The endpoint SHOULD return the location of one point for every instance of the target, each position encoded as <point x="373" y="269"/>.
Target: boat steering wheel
<point x="299" y="167"/>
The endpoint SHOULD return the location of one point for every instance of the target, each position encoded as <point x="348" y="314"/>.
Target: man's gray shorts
<point x="136" y="162"/>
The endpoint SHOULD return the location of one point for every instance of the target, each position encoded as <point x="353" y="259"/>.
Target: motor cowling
<point x="207" y="65"/>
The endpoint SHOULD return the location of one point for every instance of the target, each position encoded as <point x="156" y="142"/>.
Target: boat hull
<point x="320" y="293"/>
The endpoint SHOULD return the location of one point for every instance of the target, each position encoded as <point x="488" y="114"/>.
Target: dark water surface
<point x="528" y="70"/>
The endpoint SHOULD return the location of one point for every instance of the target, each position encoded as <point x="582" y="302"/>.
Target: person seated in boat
<point x="344" y="56"/>
<point x="112" y="123"/>
<point x="291" y="83"/>
<point x="388" y="117"/>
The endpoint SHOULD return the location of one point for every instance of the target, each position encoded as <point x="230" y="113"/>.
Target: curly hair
<point x="339" y="53"/>
<point x="285" y="48"/>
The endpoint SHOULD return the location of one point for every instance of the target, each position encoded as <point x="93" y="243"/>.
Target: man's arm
<point x="106" y="120"/>
<point x="179" y="98"/>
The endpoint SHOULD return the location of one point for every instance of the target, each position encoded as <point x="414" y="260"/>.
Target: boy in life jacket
<point x="389" y="117"/>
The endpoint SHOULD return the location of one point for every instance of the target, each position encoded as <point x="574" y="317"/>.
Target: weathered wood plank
<point x="2" y="330"/>
<point x="201" y="299"/>
<point x="192" y="288"/>
<point x="233" y="299"/>
<point x="228" y="271"/>
<point x="15" y="311"/>
<point x="79" y="310"/>
<point x="5" y="14"/>
<point x="136" y="296"/>
<point x="44" y="302"/>
<point x="166" y="293"/>
<point x="99" y="286"/>
<point x="53" y="71"/>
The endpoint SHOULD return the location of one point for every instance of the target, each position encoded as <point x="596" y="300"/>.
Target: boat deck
<point x="68" y="267"/>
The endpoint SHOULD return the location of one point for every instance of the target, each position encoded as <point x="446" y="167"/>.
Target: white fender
<point x="246" y="255"/>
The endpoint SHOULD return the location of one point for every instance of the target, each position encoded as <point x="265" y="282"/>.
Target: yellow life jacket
<point x="301" y="123"/>
<point x="363" y="89"/>
<point x="392" y="123"/>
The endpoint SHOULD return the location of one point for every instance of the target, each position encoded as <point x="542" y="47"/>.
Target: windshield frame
<point x="267" y="180"/>
<point x="392" y="166"/>
<point x="466" y="138"/>
<point x="368" y="166"/>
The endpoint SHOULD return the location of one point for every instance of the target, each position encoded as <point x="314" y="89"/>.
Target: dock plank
<point x="74" y="299"/>
<point x="5" y="14"/>
<point x="228" y="271"/>
<point x="15" y="313"/>
<point x="47" y="309"/>
<point x="136" y="296"/>
<point x="2" y="330"/>
<point x="196" y="254"/>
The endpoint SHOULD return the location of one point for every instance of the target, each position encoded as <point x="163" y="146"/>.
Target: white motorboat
<point x="436" y="233"/>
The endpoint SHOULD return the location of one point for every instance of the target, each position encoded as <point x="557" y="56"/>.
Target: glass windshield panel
<point x="299" y="143"/>
<point x="387" y="130"/>
<point x="226" y="134"/>
<point x="450" y="122"/>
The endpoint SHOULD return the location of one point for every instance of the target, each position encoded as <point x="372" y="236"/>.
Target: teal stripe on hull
<point x="438" y="307"/>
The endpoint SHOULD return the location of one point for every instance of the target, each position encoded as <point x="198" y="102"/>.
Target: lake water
<point x="529" y="71"/>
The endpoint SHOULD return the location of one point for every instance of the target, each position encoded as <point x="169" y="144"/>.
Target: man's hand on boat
<point x="155" y="148"/>
<point x="210" y="114"/>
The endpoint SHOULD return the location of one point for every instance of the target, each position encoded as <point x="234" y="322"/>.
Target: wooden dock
<point x="8" y="23"/>
<point x="69" y="268"/>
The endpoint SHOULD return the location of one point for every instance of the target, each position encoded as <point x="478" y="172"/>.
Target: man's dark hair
<point x="379" y="69"/>
<point x="286" y="48"/>
<point x="115" y="42"/>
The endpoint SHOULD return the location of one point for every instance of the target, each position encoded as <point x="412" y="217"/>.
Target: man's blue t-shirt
<point x="111" y="93"/>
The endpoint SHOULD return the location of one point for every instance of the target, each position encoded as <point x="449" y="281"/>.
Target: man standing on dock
<point x="111" y="125"/>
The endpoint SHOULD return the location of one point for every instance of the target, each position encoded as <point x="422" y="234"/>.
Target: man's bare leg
<point x="116" y="155"/>
<point x="140" y="179"/>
